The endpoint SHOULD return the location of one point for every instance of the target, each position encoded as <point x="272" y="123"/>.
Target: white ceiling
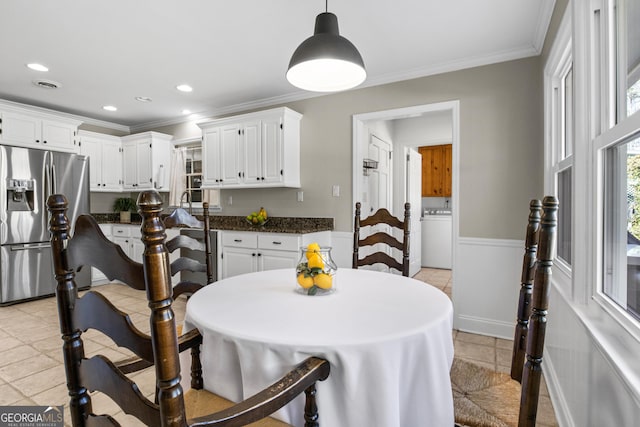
<point x="235" y="53"/>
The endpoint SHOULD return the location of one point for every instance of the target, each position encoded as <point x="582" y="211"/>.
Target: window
<point x="560" y="145"/>
<point x="622" y="225"/>
<point x="628" y="56"/>
<point x="187" y="170"/>
<point x="619" y="146"/>
<point x="565" y="164"/>
<point x="193" y="173"/>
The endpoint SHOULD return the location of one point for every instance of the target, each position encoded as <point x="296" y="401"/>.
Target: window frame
<point x="559" y="64"/>
<point x="609" y="127"/>
<point x="197" y="206"/>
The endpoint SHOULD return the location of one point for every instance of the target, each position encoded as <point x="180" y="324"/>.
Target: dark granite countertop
<point x="292" y="225"/>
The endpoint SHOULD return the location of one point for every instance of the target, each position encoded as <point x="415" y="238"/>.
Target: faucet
<point x="186" y="192"/>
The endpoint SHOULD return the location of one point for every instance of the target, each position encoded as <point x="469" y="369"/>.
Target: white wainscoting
<point x="486" y="283"/>
<point x="342" y="244"/>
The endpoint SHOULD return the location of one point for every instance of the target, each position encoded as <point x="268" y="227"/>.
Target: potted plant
<point x="124" y="205"/>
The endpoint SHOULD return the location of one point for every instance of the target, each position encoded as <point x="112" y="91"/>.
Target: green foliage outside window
<point x="633" y="194"/>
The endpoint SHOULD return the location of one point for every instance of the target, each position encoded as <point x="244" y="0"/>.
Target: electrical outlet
<point x="230" y="200"/>
<point x="300" y="196"/>
<point x="336" y="191"/>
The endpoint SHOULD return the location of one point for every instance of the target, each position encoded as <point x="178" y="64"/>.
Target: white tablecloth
<point x="388" y="339"/>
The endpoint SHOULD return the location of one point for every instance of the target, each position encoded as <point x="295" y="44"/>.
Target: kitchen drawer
<point x="119" y="230"/>
<point x="240" y="239"/>
<point x="281" y="242"/>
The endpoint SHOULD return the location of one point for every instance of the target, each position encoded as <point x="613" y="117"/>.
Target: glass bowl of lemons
<point x="316" y="271"/>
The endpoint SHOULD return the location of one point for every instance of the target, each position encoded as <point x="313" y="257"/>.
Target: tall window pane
<point x="628" y="17"/>
<point x="567" y="143"/>
<point x="622" y="225"/>
<point x="193" y="172"/>
<point x="564" y="215"/>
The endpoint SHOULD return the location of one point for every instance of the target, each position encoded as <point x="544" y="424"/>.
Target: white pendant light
<point x="326" y="61"/>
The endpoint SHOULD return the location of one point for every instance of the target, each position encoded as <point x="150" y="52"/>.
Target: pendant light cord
<point x="326" y="5"/>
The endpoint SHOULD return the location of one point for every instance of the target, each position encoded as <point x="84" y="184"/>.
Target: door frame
<point x="360" y="135"/>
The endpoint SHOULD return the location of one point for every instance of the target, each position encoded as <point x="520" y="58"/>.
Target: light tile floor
<point x="32" y="368"/>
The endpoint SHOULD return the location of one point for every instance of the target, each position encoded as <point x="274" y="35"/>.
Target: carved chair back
<point x="382" y="217"/>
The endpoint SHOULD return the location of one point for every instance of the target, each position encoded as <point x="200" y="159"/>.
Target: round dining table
<point x="388" y="339"/>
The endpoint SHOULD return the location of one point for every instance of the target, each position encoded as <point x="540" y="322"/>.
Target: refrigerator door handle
<point x="54" y="190"/>
<point x="30" y="247"/>
<point x="47" y="184"/>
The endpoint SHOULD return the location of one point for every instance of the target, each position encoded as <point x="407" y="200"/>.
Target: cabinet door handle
<point x="259" y="254"/>
<point x="277" y="243"/>
<point x="237" y="240"/>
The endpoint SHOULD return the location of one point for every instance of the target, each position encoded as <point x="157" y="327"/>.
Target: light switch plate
<point x="336" y="191"/>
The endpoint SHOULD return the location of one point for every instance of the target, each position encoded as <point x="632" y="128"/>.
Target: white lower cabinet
<point x="246" y="252"/>
<point x="97" y="277"/>
<point x="127" y="236"/>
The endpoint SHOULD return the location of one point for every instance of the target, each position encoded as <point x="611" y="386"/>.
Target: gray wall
<point x="501" y="147"/>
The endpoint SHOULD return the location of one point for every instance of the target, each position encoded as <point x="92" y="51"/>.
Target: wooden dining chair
<point x="483" y="397"/>
<point x="187" y="264"/>
<point x="382" y="217"/>
<point x="183" y="287"/>
<point x="77" y="314"/>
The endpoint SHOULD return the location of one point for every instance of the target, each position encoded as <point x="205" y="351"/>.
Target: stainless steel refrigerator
<point x="27" y="178"/>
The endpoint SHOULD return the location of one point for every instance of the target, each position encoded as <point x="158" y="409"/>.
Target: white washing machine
<point x="436" y="241"/>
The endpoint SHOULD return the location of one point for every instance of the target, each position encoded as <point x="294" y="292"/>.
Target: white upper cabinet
<point x="146" y="161"/>
<point x="231" y="151"/>
<point x="25" y="128"/>
<point x="252" y="150"/>
<point x="105" y="160"/>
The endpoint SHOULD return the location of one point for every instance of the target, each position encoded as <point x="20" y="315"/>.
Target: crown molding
<point x="83" y="119"/>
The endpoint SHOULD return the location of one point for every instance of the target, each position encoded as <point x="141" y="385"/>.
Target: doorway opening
<point x="373" y="126"/>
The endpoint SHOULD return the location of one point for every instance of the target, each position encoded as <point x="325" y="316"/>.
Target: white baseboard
<point x="485" y="326"/>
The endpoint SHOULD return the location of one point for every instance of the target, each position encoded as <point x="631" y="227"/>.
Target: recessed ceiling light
<point x="143" y="99"/>
<point x="46" y="84"/>
<point x="109" y="108"/>
<point x="37" y="67"/>
<point x="185" y="112"/>
<point x="184" y="88"/>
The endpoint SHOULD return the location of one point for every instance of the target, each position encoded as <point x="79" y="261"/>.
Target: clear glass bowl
<point x="316" y="272"/>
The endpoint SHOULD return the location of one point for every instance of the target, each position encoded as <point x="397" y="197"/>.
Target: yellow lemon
<point x="312" y="248"/>
<point x="305" y="282"/>
<point x="315" y="261"/>
<point x="323" y="281"/>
